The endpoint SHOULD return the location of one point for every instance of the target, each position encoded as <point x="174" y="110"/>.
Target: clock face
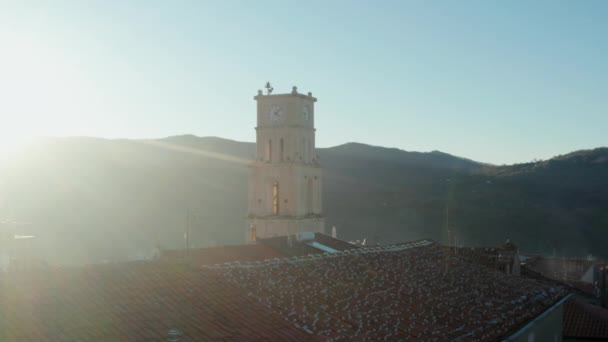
<point x="305" y="113"/>
<point x="275" y="113"/>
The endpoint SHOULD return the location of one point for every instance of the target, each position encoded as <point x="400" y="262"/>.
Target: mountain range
<point x="89" y="200"/>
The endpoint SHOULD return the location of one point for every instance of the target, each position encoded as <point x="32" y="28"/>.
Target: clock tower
<point x="285" y="177"/>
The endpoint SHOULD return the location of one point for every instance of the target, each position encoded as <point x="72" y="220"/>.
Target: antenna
<point x="269" y="88"/>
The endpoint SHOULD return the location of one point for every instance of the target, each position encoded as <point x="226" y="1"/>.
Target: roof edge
<point x="526" y="327"/>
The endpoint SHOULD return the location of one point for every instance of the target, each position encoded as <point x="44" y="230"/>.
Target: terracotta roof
<point x="586" y="292"/>
<point x="566" y="269"/>
<point x="583" y="320"/>
<point x="293" y="248"/>
<point x="337" y="244"/>
<point x="270" y="248"/>
<point x="495" y="258"/>
<point x="282" y="245"/>
<point x="141" y="301"/>
<point x="412" y="291"/>
<point x="219" y="255"/>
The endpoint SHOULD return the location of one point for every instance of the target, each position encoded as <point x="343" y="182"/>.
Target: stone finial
<point x="310" y="94"/>
<point x="294" y="90"/>
<point x="260" y="92"/>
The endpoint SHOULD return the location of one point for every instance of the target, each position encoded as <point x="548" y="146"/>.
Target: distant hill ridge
<point x="350" y="148"/>
<point x="95" y="199"/>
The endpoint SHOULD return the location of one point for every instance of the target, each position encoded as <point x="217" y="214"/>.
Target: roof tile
<point x="583" y="320"/>
<point x="131" y="301"/>
<point x="417" y="290"/>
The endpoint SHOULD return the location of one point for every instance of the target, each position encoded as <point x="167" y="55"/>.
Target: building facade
<point x="285" y="180"/>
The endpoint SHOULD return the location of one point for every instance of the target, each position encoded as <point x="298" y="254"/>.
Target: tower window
<point x="309" y="194"/>
<point x="275" y="198"/>
<point x="282" y="149"/>
<point x="269" y="150"/>
<point x="252" y="232"/>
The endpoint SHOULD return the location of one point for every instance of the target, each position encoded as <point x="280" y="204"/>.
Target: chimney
<point x="334" y="232"/>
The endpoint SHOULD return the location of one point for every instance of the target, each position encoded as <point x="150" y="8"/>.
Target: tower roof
<point x="294" y="93"/>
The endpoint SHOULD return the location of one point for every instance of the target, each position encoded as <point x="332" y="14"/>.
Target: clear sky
<point x="495" y="81"/>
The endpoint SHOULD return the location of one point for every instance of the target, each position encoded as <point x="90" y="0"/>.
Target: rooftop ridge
<point x="339" y="298"/>
<point x="313" y="257"/>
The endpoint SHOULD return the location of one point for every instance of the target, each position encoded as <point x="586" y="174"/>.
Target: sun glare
<point x="41" y="92"/>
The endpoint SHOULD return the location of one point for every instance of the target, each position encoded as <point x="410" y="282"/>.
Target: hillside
<point x="90" y="199"/>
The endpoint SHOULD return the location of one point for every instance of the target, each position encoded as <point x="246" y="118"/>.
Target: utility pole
<point x="603" y="293"/>
<point x="188" y="230"/>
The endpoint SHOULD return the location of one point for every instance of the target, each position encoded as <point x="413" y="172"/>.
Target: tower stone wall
<point x="285" y="179"/>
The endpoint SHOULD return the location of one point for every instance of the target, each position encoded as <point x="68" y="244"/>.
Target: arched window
<point x="252" y="232"/>
<point x="282" y="149"/>
<point x="275" y="198"/>
<point x="309" y="196"/>
<point x="269" y="150"/>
